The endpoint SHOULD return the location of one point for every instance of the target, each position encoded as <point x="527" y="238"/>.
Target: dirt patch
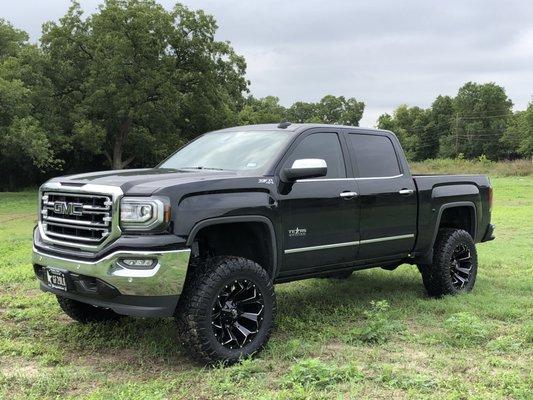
<point x="13" y="367"/>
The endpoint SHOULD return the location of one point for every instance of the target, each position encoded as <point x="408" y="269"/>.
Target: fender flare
<point x="427" y="257"/>
<point x="236" y="219"/>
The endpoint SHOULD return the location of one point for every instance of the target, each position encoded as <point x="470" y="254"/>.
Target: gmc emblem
<point x="62" y="207"/>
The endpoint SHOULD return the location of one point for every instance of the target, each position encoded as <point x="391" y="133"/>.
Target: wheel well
<point x="461" y="217"/>
<point x="251" y="240"/>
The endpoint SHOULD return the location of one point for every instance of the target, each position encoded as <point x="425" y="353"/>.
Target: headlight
<point x="143" y="213"/>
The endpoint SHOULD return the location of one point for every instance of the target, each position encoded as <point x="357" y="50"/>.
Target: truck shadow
<point x="153" y="343"/>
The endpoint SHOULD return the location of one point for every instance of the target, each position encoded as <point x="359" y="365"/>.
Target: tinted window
<point x="374" y="155"/>
<point x="321" y="145"/>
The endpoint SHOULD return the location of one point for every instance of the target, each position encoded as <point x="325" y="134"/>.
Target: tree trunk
<point x="118" y="147"/>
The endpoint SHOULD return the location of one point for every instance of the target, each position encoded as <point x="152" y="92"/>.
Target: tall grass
<point x="478" y="166"/>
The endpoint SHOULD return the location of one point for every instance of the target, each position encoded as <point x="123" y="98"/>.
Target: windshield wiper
<point x="201" y="167"/>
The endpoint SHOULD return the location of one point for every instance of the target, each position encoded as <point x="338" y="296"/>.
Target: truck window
<point x="374" y="155"/>
<point x="321" y="145"/>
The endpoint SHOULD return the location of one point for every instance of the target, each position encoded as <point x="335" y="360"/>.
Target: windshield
<point x="234" y="151"/>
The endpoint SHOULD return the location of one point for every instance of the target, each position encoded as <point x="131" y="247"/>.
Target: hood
<point x="143" y="181"/>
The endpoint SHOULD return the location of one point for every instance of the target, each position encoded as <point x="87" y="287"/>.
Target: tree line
<point x="127" y="85"/>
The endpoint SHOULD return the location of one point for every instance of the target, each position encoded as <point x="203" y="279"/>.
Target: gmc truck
<point x="204" y="236"/>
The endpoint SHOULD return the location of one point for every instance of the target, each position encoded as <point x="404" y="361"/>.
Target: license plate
<point x="56" y="279"/>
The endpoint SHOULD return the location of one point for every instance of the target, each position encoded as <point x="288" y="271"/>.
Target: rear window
<point x="374" y="156"/>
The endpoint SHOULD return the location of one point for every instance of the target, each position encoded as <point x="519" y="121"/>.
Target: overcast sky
<point x="384" y="53"/>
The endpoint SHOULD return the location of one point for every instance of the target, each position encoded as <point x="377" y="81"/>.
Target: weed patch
<point x="378" y="325"/>
<point x="315" y="374"/>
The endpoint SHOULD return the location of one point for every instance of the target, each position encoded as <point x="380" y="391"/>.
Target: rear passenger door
<point x="387" y="197"/>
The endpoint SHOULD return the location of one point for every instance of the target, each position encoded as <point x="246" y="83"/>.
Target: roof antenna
<point x="284" y="124"/>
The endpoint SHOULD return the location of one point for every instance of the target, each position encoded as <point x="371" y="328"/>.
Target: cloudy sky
<point x="382" y="52"/>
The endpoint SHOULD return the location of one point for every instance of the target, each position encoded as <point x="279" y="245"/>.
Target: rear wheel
<point x="85" y="313"/>
<point x="454" y="267"/>
<point x="226" y="311"/>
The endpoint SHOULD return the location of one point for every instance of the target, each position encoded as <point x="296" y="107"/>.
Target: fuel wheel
<point x="237" y="313"/>
<point x="461" y="266"/>
<point x="227" y="309"/>
<point x="454" y="266"/>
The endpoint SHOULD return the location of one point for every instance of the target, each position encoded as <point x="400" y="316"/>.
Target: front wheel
<point x="227" y="309"/>
<point x="454" y="266"/>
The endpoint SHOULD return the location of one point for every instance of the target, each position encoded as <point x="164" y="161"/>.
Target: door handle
<point x="406" y="192"/>
<point x="348" y="195"/>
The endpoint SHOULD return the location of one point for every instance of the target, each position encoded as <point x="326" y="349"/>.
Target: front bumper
<point x="108" y="282"/>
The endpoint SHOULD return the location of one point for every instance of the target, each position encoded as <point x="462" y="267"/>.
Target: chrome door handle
<point x="406" y="192"/>
<point x="348" y="195"/>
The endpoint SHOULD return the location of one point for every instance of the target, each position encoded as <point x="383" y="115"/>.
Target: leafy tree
<point x="339" y="110"/>
<point x="518" y="137"/>
<point x="302" y="111"/>
<point x="413" y="128"/>
<point x="133" y="81"/>
<point x="329" y="110"/>
<point x="482" y="112"/>
<point x="26" y="147"/>
<point x="471" y="124"/>
<point x="261" y="111"/>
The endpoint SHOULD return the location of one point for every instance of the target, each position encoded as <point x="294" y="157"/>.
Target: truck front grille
<point x="76" y="218"/>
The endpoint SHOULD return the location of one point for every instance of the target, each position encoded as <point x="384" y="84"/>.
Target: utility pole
<point x="456" y="134"/>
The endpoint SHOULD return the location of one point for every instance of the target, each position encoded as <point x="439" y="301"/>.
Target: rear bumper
<point x="108" y="282"/>
<point x="489" y="233"/>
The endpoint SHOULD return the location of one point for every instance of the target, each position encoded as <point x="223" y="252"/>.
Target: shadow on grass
<point x="323" y="303"/>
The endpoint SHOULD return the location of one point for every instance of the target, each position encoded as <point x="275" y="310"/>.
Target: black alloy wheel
<point x="461" y="266"/>
<point x="237" y="313"/>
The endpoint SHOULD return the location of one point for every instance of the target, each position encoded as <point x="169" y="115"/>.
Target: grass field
<point x="375" y="335"/>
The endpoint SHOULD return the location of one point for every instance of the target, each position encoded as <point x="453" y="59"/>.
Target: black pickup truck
<point x="205" y="235"/>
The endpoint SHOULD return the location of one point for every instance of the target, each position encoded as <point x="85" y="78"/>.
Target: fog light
<point x="141" y="263"/>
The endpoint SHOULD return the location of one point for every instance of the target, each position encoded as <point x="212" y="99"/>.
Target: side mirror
<point x="305" y="168"/>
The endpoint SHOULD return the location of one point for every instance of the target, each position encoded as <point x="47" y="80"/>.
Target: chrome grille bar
<point x="84" y="217"/>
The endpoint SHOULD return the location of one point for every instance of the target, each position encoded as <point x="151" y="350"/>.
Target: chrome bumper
<point x="166" y="277"/>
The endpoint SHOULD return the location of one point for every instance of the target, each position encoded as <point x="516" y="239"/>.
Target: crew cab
<point x="205" y="235"/>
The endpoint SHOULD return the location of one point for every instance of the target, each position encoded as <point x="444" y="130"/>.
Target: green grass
<point x="375" y="335"/>
<point x="478" y="166"/>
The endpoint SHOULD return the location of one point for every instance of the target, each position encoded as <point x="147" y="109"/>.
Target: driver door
<point x="319" y="215"/>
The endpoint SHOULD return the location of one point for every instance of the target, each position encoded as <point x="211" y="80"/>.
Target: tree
<point x="261" y="111"/>
<point x="329" y="110"/>
<point x="26" y="149"/>
<point x="301" y="112"/>
<point x="482" y="112"/>
<point x="518" y="137"/>
<point x="412" y="126"/>
<point x="339" y="110"/>
<point x="133" y="81"/>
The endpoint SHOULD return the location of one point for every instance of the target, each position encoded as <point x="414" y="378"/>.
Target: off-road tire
<point x="86" y="313"/>
<point x="437" y="277"/>
<point x="197" y="301"/>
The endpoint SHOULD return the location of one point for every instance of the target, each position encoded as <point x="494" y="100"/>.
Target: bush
<point x="464" y="329"/>
<point x="378" y="325"/>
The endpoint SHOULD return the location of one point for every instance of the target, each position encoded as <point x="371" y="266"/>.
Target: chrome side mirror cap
<point x="305" y="168"/>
